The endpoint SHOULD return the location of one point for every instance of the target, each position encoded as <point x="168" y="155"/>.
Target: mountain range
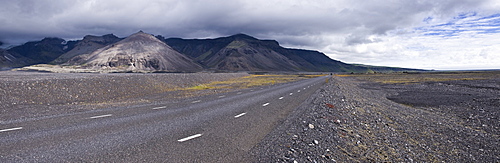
<point x="142" y="52"/>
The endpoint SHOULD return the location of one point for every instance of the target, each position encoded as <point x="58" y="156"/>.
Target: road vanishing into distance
<point x="215" y="128"/>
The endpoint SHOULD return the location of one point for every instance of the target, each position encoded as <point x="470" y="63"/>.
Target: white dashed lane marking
<point x="281" y="98"/>
<point x="265" y="104"/>
<point x="291" y="94"/>
<point x="189" y="138"/>
<point x="298" y="90"/>
<point x="239" y="93"/>
<point x="222" y="96"/>
<point x="161" y="107"/>
<point x="11" y="129"/>
<point x="101" y="116"/>
<point x="239" y="115"/>
<point x="196" y="101"/>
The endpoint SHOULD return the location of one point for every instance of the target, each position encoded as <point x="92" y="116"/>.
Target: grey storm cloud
<point x="312" y="24"/>
<point x="206" y="18"/>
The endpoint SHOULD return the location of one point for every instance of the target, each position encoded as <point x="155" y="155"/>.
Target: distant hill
<point x="138" y="52"/>
<point x="145" y="53"/>
<point x="386" y="69"/>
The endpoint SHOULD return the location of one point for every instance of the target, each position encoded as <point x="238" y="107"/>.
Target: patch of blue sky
<point x="463" y="23"/>
<point x="466" y="15"/>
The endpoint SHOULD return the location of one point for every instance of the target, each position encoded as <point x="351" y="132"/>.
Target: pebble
<point x="311" y="126"/>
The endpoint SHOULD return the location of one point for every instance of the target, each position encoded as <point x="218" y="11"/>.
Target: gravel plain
<point x="353" y="120"/>
<point x="34" y="94"/>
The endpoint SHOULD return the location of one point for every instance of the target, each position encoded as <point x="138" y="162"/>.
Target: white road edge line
<point x="239" y="93"/>
<point x="239" y="115"/>
<point x="161" y="107"/>
<point x="196" y="101"/>
<point x="265" y="104"/>
<point x="281" y="98"/>
<point x="11" y="129"/>
<point x="189" y="138"/>
<point x="101" y="116"/>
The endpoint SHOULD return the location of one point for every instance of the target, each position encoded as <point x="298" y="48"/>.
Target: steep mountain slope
<point x="88" y="45"/>
<point x="138" y="52"/>
<point x="315" y="61"/>
<point x="243" y="52"/>
<point x="43" y="51"/>
<point x="8" y="61"/>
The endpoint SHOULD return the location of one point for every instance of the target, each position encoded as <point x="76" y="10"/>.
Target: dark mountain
<point x="8" y="61"/>
<point x="138" y="52"/>
<point x="88" y="45"/>
<point x="245" y="53"/>
<point x="43" y="51"/>
<point x="144" y="52"/>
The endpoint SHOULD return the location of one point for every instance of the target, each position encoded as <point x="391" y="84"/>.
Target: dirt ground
<point x="424" y="117"/>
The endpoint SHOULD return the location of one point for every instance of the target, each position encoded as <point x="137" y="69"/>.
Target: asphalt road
<point x="215" y="128"/>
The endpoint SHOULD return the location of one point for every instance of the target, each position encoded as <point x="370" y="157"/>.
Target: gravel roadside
<point x="350" y="121"/>
<point x="33" y="94"/>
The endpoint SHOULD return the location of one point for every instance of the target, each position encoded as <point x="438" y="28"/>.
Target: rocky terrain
<point x="34" y="94"/>
<point x="393" y="118"/>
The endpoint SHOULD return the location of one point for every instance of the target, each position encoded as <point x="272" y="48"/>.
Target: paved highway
<point x="215" y="128"/>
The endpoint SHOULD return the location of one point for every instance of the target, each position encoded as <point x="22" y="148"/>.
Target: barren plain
<point x="27" y="95"/>
<point x="399" y="117"/>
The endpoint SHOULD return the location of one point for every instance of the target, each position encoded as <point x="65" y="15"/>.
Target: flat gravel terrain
<point x="351" y="120"/>
<point x="27" y="95"/>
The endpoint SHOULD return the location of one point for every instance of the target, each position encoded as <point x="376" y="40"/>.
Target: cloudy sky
<point x="429" y="34"/>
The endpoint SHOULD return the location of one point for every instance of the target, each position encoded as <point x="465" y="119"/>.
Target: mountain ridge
<point x="303" y="60"/>
<point x="142" y="52"/>
<point x="139" y="51"/>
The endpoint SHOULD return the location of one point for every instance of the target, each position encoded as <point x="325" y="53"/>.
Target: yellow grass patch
<point x="250" y="81"/>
